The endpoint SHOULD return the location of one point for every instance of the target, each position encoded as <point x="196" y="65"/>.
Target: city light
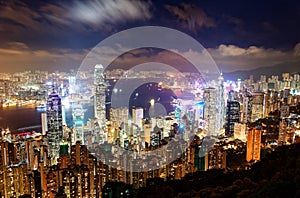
<point x="152" y="102"/>
<point x="152" y="98"/>
<point x="66" y="102"/>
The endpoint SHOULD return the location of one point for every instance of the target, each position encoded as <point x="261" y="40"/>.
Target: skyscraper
<point x="210" y="111"/>
<point x="72" y="84"/>
<point x="137" y="116"/>
<point x="240" y="131"/>
<point x="257" y="106"/>
<point x="283" y="128"/>
<point x="253" y="144"/>
<point x="78" y="119"/>
<point x="232" y="116"/>
<point x="54" y="123"/>
<point x="44" y="123"/>
<point x="247" y="107"/>
<point x="99" y="97"/>
<point x="220" y="104"/>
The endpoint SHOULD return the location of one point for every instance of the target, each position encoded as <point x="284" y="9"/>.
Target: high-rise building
<point x="247" y="107"/>
<point x="263" y="85"/>
<point x="99" y="97"/>
<point x="257" y="106"/>
<point x="119" y="116"/>
<point x="44" y="123"/>
<point x="240" y="131"/>
<point x="253" y="144"/>
<point x="216" y="158"/>
<point x="54" y="123"/>
<point x="210" y="111"/>
<point x="271" y="100"/>
<point x="284" y="111"/>
<point x="232" y="116"/>
<point x="137" y="116"/>
<point x="286" y="80"/>
<point x="147" y="128"/>
<point x="221" y="109"/>
<point x="63" y="115"/>
<point x="78" y="120"/>
<point x="167" y="125"/>
<point x="282" y="136"/>
<point x="199" y="111"/>
<point x="72" y="85"/>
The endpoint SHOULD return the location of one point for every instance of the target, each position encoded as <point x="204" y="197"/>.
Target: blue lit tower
<point x="99" y="98"/>
<point x="78" y="119"/>
<point x="54" y="122"/>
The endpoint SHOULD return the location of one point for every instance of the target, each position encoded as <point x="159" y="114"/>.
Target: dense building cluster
<point x="227" y="125"/>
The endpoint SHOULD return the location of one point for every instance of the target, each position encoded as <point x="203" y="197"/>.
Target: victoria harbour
<point x="20" y="117"/>
<point x="27" y="118"/>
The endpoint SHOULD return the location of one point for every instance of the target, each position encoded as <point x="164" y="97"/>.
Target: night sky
<point x="240" y="35"/>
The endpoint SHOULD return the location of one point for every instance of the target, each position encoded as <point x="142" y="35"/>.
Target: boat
<point x="41" y="107"/>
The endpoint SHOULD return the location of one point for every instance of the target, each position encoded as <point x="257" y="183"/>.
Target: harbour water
<point x="16" y="117"/>
<point x="26" y="116"/>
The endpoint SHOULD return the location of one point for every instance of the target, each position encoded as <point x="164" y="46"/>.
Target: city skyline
<point x="84" y="158"/>
<point x="52" y="35"/>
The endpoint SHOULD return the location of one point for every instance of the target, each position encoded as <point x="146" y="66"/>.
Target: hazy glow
<point x="152" y="102"/>
<point x="49" y="83"/>
<point x="66" y="102"/>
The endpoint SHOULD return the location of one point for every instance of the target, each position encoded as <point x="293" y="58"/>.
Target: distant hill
<point x="268" y="71"/>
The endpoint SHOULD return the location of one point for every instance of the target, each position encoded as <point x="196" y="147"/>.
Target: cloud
<point x="234" y="20"/>
<point x="20" y="15"/>
<point x="268" y="27"/>
<point x="229" y="58"/>
<point x="297" y="50"/>
<point x="181" y="59"/>
<point x="17" y="56"/>
<point x="19" y="21"/>
<point x="96" y="14"/>
<point x="232" y="58"/>
<point x="191" y="17"/>
<point x="99" y="12"/>
<point x="13" y="48"/>
<point x="230" y="50"/>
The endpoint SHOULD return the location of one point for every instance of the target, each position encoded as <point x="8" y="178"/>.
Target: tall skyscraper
<point x="221" y="110"/>
<point x="44" y="123"/>
<point x="210" y="111"/>
<point x="232" y="116"/>
<point x="99" y="97"/>
<point x="257" y="106"/>
<point x="271" y="100"/>
<point x="72" y="85"/>
<point x="240" y="131"/>
<point x="54" y="123"/>
<point x="137" y="116"/>
<point x="119" y="115"/>
<point x="283" y="128"/>
<point x="78" y="119"/>
<point x="253" y="144"/>
<point x="247" y="107"/>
